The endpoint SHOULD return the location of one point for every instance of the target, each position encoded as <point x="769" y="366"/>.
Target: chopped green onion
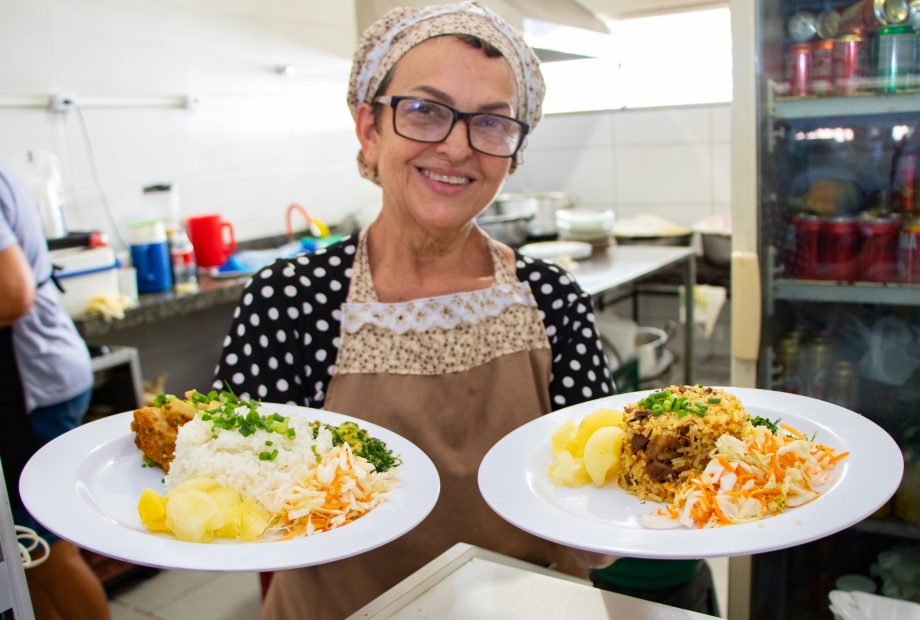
<point x="715" y="400"/>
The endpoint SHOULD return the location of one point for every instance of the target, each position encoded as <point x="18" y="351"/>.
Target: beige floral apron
<point x="453" y="374"/>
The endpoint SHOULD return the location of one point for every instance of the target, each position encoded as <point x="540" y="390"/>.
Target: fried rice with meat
<point x="665" y="444"/>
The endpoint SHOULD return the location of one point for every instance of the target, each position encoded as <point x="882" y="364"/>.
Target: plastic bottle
<point x="185" y="276"/>
<point x="48" y="190"/>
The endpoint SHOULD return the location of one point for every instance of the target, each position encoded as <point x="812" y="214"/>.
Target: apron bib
<point x="452" y="374"/>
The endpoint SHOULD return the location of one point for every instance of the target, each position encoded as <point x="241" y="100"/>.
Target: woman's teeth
<point x="445" y="179"/>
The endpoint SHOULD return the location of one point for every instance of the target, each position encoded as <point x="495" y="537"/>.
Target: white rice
<point x="233" y="460"/>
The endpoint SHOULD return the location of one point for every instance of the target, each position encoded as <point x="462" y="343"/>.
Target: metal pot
<point x="544" y="205"/>
<point x="508" y="222"/>
<point x="717" y="248"/>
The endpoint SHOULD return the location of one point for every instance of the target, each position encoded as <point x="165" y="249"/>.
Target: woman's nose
<point x="456" y="145"/>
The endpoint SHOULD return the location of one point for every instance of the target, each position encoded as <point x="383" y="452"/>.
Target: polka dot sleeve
<point x="284" y="337"/>
<point x="579" y="370"/>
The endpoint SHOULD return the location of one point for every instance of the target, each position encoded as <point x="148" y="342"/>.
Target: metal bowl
<point x="508" y="222"/>
<point x="717" y="248"/>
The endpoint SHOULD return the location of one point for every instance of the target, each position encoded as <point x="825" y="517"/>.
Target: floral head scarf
<point x="400" y="29"/>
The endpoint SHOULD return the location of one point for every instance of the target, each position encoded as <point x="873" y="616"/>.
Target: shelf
<point x="890" y="527"/>
<point x="843" y="292"/>
<point x="857" y="105"/>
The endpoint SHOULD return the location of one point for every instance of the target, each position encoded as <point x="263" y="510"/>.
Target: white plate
<point x="84" y="486"/>
<point x="514" y="482"/>
<point x="549" y="250"/>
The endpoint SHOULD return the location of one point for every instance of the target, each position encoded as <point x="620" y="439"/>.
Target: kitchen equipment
<point x="161" y="201"/>
<point x="150" y="256"/>
<point x="84" y="274"/>
<point x="212" y="237"/>
<point x="508" y="222"/>
<point x="552" y="250"/>
<point x="649" y="229"/>
<point x="587" y="225"/>
<point x="544" y="205"/>
<point x="717" y="248"/>
<point x="651" y="351"/>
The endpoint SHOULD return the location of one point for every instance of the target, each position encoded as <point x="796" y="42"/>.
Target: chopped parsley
<point x="773" y="426"/>
<point x="362" y="444"/>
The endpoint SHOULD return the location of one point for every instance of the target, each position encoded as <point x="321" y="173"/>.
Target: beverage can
<point x="821" y="80"/>
<point x="913" y="13"/>
<point x="907" y="169"/>
<point x="838" y="244"/>
<point x="866" y="16"/>
<point x="843" y="384"/>
<point x="849" y="64"/>
<point x="827" y="24"/>
<point x="878" y="248"/>
<point x="909" y="252"/>
<point x="787" y="357"/>
<point x="802" y="26"/>
<point x="798" y="69"/>
<point x="803" y="261"/>
<point x="895" y="57"/>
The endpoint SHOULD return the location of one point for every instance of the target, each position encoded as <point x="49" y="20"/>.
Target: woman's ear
<point x="366" y="130"/>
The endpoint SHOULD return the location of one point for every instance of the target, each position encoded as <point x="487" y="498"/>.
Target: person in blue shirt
<point x="46" y="378"/>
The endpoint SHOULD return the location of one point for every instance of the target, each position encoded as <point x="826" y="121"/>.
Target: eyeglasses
<point x="423" y="120"/>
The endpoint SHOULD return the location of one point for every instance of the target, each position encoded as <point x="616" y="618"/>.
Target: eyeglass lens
<point x="432" y="122"/>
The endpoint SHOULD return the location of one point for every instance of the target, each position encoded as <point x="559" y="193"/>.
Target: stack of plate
<point x="594" y="227"/>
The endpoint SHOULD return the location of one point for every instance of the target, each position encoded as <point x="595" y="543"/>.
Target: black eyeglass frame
<point x="393" y="101"/>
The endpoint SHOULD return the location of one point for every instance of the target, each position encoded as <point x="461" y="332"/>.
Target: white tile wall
<point x="673" y="162"/>
<point x="256" y="142"/>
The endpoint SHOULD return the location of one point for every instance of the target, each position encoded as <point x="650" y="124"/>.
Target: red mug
<point x="207" y="234"/>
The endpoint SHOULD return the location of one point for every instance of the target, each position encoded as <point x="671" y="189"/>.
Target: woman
<point x="421" y="323"/>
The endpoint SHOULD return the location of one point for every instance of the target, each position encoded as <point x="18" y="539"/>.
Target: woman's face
<point x="440" y="186"/>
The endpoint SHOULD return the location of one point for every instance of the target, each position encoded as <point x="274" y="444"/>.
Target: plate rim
<point x="44" y="502"/>
<point x="524" y="509"/>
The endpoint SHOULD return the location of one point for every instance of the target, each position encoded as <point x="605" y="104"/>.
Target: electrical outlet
<point x="61" y="103"/>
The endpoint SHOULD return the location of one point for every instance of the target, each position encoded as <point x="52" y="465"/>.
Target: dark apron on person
<point x="17" y="443"/>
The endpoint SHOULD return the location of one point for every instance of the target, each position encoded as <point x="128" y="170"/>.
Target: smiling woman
<point x="422" y="323"/>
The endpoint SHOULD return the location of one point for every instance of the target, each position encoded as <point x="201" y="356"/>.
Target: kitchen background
<point x="254" y="139"/>
<point x="241" y="105"/>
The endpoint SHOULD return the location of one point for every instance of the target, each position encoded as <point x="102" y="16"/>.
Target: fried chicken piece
<point x="156" y="429"/>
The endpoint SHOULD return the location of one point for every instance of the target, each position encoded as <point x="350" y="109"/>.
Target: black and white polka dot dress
<point x="284" y="339"/>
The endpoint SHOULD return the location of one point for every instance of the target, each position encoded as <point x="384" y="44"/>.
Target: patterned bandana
<point x="400" y="29"/>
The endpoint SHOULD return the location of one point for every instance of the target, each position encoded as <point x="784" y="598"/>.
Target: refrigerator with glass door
<point x="826" y="263"/>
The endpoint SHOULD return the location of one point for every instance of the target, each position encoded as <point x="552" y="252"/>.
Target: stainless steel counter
<point x="469" y="583"/>
<point x="622" y="267"/>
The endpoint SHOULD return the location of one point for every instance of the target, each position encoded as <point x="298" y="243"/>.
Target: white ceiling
<point x="617" y="9"/>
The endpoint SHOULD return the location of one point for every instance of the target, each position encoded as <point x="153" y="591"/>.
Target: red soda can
<point x="849" y="64"/>
<point x="909" y="252"/>
<point x="838" y="244"/>
<point x="878" y="248"/>
<point x="908" y="169"/>
<point x="803" y="260"/>
<point x="821" y="80"/>
<point x="798" y="69"/>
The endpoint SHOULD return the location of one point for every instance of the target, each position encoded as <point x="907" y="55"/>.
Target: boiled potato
<point x="152" y="509"/>
<point x="193" y="515"/>
<point x="562" y="436"/>
<point x="568" y="471"/>
<point x="589" y="424"/>
<point x="253" y="520"/>
<point x="602" y="453"/>
<point x="229" y="502"/>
